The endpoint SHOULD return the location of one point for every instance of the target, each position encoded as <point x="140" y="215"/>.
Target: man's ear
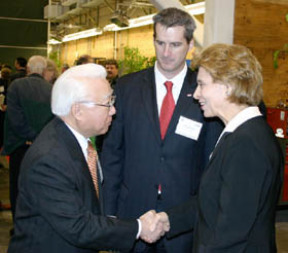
<point x="76" y="111"/>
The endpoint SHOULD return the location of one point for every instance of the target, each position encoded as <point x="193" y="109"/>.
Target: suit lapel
<point x="150" y="102"/>
<point x="75" y="151"/>
<point x="184" y="101"/>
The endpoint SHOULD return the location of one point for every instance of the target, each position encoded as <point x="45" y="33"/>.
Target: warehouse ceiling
<point x="71" y="16"/>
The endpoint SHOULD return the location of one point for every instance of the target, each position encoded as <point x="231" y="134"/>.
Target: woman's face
<point x="212" y="96"/>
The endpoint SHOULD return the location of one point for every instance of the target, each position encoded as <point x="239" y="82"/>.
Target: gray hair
<point x="37" y="64"/>
<point x="68" y="88"/>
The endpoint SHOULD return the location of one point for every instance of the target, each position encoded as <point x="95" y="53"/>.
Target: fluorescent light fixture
<point x="53" y="42"/>
<point x="193" y="9"/>
<point x="196" y="9"/>
<point x="82" y="34"/>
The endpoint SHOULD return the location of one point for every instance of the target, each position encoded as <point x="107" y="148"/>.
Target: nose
<point x="196" y="94"/>
<point x="112" y="110"/>
<point x="166" y="50"/>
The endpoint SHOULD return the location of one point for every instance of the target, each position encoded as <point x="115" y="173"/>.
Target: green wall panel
<point x="22" y="37"/>
<point x="22" y="8"/>
<point x="23" y="33"/>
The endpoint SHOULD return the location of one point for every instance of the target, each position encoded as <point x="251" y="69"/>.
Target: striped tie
<point x="92" y="158"/>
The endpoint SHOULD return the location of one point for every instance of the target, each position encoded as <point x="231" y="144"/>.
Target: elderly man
<point x="59" y="207"/>
<point x="28" y="111"/>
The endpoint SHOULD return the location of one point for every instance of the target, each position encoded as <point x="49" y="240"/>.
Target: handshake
<point x="154" y="225"/>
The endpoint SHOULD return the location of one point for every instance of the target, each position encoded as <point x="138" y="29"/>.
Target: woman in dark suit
<point x="235" y="207"/>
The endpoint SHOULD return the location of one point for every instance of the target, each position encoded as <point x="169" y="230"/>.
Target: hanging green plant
<point x="277" y="53"/>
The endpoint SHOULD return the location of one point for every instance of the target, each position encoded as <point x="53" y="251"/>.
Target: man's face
<point x="171" y="49"/>
<point x="95" y="119"/>
<point x="112" y="71"/>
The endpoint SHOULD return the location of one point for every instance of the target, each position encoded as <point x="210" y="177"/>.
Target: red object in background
<point x="277" y="118"/>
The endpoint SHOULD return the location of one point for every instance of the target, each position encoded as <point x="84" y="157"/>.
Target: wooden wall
<point x="261" y="26"/>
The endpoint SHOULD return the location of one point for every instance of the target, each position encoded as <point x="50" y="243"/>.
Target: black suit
<point x="57" y="209"/>
<point x="238" y="194"/>
<point x="135" y="160"/>
<point x="28" y="111"/>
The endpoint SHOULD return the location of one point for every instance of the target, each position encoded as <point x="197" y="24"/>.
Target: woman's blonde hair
<point x="236" y="67"/>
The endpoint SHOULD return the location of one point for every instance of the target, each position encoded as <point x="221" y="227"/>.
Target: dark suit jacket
<point x="28" y="111"/>
<point x="135" y="159"/>
<point x="238" y="194"/>
<point x="57" y="209"/>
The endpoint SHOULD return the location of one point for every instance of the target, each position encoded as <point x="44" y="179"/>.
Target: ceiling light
<point x="82" y="35"/>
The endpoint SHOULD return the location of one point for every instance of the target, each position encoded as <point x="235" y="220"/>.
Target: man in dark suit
<point x="20" y="66"/>
<point x="59" y="203"/>
<point x="28" y="111"/>
<point x="143" y="168"/>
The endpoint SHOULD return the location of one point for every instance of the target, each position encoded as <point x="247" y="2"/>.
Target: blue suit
<point x="135" y="160"/>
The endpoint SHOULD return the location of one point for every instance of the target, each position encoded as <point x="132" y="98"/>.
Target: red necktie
<point x="92" y="158"/>
<point x="167" y="109"/>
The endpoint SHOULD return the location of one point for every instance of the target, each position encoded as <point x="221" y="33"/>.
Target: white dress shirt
<point x="161" y="90"/>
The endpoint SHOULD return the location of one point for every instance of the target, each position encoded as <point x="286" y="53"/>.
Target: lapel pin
<point x="189" y="95"/>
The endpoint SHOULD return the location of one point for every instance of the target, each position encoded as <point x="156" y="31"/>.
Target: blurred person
<point x="28" y="111"/>
<point x="65" y="67"/>
<point x="152" y="157"/>
<point x="84" y="59"/>
<point x="20" y="66"/>
<point x="111" y="66"/>
<point x="236" y="204"/>
<point x="4" y="83"/>
<point x="51" y="72"/>
<point x="59" y="206"/>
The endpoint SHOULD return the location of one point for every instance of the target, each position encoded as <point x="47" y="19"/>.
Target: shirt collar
<point x="241" y="117"/>
<point x="83" y="142"/>
<point x="176" y="80"/>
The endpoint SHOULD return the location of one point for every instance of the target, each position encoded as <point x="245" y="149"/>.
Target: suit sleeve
<point x="16" y="115"/>
<point x="182" y="218"/>
<point x="60" y="204"/>
<point x="112" y="158"/>
<point x="246" y="177"/>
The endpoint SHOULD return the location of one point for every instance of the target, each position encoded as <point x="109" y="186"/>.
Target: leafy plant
<point x="284" y="50"/>
<point x="133" y="61"/>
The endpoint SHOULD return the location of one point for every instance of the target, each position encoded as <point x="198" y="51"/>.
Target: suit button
<point x="162" y="158"/>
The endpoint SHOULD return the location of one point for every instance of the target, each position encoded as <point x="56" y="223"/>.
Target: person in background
<point x="28" y="111"/>
<point x="59" y="206"/>
<point x="236" y="204"/>
<point x="20" y="66"/>
<point x="65" y="67"/>
<point x="84" y="59"/>
<point x="4" y="83"/>
<point x="51" y="72"/>
<point x="149" y="163"/>
<point x="111" y="66"/>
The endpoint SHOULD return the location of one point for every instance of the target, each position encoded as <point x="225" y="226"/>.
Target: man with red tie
<point x="159" y="142"/>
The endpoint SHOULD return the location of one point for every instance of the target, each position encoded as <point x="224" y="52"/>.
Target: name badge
<point x="188" y="128"/>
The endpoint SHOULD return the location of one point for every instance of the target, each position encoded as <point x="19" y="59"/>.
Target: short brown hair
<point x="111" y="62"/>
<point x="172" y="17"/>
<point x="235" y="66"/>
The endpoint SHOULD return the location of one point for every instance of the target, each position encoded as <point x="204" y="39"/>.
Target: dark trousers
<point x="14" y="170"/>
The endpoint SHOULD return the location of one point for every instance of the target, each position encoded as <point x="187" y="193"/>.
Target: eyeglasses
<point x="109" y="104"/>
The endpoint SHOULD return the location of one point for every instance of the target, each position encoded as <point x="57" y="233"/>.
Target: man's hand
<point x="153" y="226"/>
